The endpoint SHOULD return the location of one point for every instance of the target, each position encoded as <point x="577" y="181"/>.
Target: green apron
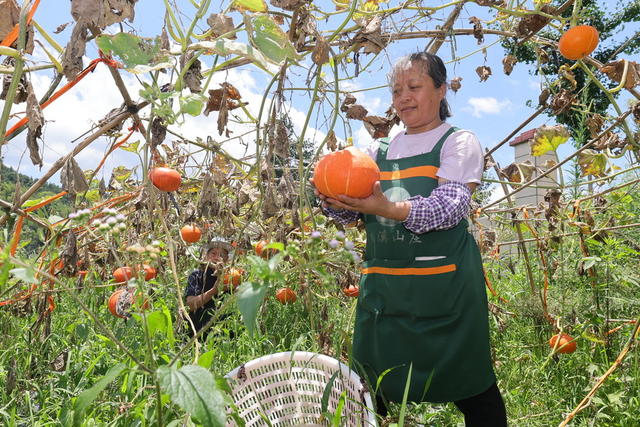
<point x="430" y="314"/>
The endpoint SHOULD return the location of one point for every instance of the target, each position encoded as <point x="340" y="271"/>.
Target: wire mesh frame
<point x="287" y="388"/>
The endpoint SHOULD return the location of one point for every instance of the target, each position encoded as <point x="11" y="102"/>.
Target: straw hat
<point x="216" y="243"/>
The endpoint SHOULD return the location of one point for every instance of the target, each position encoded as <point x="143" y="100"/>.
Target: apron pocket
<point x="415" y="289"/>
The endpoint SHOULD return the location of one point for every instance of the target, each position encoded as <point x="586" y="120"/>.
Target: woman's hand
<point x="325" y="201"/>
<point x="376" y="204"/>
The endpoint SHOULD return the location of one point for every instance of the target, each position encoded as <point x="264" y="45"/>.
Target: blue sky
<point x="492" y="109"/>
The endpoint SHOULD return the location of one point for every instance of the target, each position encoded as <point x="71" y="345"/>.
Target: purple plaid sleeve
<point x="343" y="216"/>
<point x="444" y="208"/>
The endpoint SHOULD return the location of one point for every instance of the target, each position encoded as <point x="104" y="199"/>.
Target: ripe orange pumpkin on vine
<point x="350" y="172"/>
<point x="122" y="274"/>
<point x="233" y="276"/>
<point x="286" y="295"/>
<point x="149" y="272"/>
<point x="121" y="301"/>
<point x="578" y="42"/>
<point x="190" y="233"/>
<point x="565" y="344"/>
<point x="165" y="179"/>
<point x="261" y="251"/>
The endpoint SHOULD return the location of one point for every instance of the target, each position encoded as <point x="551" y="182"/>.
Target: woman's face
<point x="417" y="100"/>
<point x="217" y="255"/>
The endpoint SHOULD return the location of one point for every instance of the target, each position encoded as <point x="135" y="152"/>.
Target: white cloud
<point x="486" y="105"/>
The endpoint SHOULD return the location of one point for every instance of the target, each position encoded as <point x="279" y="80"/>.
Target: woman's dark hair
<point x="432" y="66"/>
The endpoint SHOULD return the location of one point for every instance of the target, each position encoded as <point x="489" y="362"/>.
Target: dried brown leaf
<point x="208" y="203"/>
<point x="562" y="101"/>
<point x="320" y="54"/>
<point x="72" y="57"/>
<point x="192" y="77"/>
<point x="455" y="84"/>
<point x="61" y="28"/>
<point x="158" y="132"/>
<point x="370" y="36"/>
<point x="21" y="91"/>
<point x="508" y="62"/>
<point x="291" y="5"/>
<point x="72" y="178"/>
<point x="34" y="126"/>
<point x="483" y="72"/>
<point x="356" y="112"/>
<point x="544" y="96"/>
<point x="348" y="100"/>
<point x="636" y="112"/>
<point x="9" y="17"/>
<point x="281" y="140"/>
<point x="221" y="24"/>
<point x="102" y="13"/>
<point x="70" y="253"/>
<point x="595" y="123"/>
<point x="530" y="24"/>
<point x="615" y="71"/>
<point x="332" y="141"/>
<point x="378" y="127"/>
<point x="478" y="32"/>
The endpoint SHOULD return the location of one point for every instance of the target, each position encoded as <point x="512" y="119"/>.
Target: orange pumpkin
<point x="82" y="273"/>
<point x="349" y="171"/>
<point x="578" y="42"/>
<point x="351" y="291"/>
<point x="113" y="303"/>
<point x="566" y="344"/>
<point x="233" y="276"/>
<point x="122" y="274"/>
<point x="190" y="233"/>
<point x="286" y="296"/>
<point x="165" y="179"/>
<point x="261" y="251"/>
<point x="149" y="272"/>
<point x="121" y="300"/>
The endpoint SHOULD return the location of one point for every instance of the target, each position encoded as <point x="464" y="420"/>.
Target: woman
<point x="202" y="291"/>
<point x="422" y="305"/>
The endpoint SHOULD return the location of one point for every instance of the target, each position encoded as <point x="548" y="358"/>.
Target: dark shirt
<point x="199" y="282"/>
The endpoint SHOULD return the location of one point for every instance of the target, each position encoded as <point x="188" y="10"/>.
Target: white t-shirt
<point x="461" y="157"/>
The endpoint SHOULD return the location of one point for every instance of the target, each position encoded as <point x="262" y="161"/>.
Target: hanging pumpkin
<point x="350" y="172"/>
<point x="190" y="233"/>
<point x="578" y="42"/>
<point x="165" y="179"/>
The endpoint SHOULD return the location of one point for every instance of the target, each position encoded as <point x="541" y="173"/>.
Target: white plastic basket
<point x="287" y="388"/>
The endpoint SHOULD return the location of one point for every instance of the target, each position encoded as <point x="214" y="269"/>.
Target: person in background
<point x="203" y="290"/>
<point x="422" y="307"/>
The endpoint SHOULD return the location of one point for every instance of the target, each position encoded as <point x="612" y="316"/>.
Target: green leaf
<point x="93" y="195"/>
<point x="194" y="389"/>
<point x="250" y="297"/>
<point x="192" y="104"/>
<point x="593" y="163"/>
<point x="268" y="37"/>
<point x="548" y="138"/>
<point x="138" y="54"/>
<point x="157" y="322"/>
<point x="121" y="174"/>
<point x="250" y="5"/>
<point x="86" y="397"/>
<point x="132" y="148"/>
<point x="226" y="47"/>
<point x="26" y="274"/>
<point x="206" y="359"/>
